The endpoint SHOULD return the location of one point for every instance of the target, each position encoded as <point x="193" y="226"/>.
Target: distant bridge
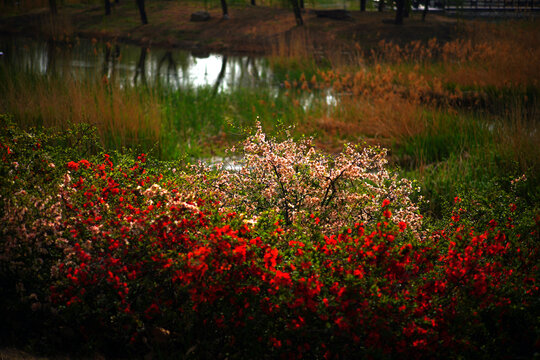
<point x="486" y="5"/>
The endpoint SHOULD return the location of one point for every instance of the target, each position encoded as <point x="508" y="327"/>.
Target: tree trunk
<point x="53" y="7"/>
<point x="362" y="5"/>
<point x="253" y="2"/>
<point x="407" y="8"/>
<point x="302" y="4"/>
<point x="224" y="8"/>
<point x="381" y="5"/>
<point x="297" y="13"/>
<point x="424" y="13"/>
<point x="142" y="11"/>
<point x="107" y="7"/>
<point x="400" y="5"/>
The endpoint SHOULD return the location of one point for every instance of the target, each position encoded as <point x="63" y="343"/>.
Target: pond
<point x="134" y="65"/>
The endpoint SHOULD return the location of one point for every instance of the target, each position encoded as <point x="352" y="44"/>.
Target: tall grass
<point x="202" y="122"/>
<point x="454" y="114"/>
<point x="457" y="115"/>
<point x="123" y="115"/>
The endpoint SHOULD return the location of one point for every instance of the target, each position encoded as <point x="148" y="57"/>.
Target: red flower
<point x="270" y="258"/>
<point x="72" y="165"/>
<point x="84" y="163"/>
<point x="402" y="226"/>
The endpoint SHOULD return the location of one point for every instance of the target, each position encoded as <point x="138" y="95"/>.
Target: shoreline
<point x="249" y="30"/>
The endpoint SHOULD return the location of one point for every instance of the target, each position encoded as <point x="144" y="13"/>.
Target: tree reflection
<point x="221" y="75"/>
<point x="51" y="56"/>
<point x="140" y="70"/>
<point x="171" y="68"/>
<point x="112" y="55"/>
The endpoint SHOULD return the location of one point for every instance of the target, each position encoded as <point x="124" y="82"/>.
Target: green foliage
<point x="120" y="255"/>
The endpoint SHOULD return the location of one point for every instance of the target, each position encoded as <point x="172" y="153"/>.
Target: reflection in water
<point x="112" y="55"/>
<point x="141" y="67"/>
<point x="171" y="69"/>
<point x="220" y="75"/>
<point x="127" y="64"/>
<point x="51" y="57"/>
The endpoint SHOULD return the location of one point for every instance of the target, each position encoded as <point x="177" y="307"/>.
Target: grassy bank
<point x="457" y="115"/>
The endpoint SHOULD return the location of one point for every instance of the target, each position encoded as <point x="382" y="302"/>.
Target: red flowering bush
<point x="135" y="262"/>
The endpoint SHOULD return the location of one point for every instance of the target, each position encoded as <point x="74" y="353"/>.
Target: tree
<point x="297" y="12"/>
<point x="381" y="6"/>
<point x="424" y="13"/>
<point x="362" y="5"/>
<point x="142" y="11"/>
<point x="107" y="7"/>
<point x="400" y="9"/>
<point x="224" y="8"/>
<point x="407" y="8"/>
<point x="53" y="7"/>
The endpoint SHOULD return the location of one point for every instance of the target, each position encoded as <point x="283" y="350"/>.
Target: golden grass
<point x="388" y="100"/>
<point x="122" y="115"/>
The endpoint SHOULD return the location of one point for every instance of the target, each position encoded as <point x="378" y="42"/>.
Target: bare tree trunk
<point x="362" y="5"/>
<point x="224" y="8"/>
<point x="53" y="7"/>
<point x="302" y="4"/>
<point x="381" y="6"/>
<point x="107" y="7"/>
<point x="400" y="5"/>
<point x="142" y="11"/>
<point x="424" y="13"/>
<point x="253" y="2"/>
<point x="406" y="8"/>
<point x="297" y="13"/>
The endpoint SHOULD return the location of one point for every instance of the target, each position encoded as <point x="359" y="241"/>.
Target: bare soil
<point x="250" y="29"/>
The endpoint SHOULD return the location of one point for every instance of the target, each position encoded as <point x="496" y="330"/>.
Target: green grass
<point x="452" y="147"/>
<point x="201" y="122"/>
<point x="445" y="134"/>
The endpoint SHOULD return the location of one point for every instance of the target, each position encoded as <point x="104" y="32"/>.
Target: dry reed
<point x="122" y="115"/>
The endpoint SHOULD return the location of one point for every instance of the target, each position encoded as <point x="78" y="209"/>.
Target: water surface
<point x="172" y="69"/>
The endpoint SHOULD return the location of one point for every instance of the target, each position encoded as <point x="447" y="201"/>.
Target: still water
<point x="134" y="65"/>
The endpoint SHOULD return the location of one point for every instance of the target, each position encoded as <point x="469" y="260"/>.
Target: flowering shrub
<point x="298" y="182"/>
<point x="132" y="263"/>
